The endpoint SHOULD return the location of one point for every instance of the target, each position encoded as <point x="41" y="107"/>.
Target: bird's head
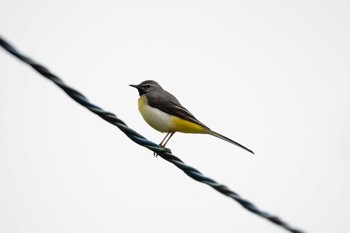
<point x="147" y="86"/>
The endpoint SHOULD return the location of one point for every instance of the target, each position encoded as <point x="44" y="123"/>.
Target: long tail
<point x="228" y="140"/>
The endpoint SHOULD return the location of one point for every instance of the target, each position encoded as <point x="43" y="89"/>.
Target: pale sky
<point x="273" y="76"/>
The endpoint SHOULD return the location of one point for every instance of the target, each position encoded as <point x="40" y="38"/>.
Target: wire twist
<point x="141" y="140"/>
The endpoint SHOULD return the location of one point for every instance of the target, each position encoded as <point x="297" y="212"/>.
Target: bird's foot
<point x="166" y="150"/>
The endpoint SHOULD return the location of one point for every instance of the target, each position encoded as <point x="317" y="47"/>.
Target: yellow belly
<point x="165" y="122"/>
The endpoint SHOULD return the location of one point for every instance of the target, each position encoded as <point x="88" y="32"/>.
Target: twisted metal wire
<point x="164" y="153"/>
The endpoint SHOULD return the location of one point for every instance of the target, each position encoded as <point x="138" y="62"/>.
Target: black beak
<point x="136" y="86"/>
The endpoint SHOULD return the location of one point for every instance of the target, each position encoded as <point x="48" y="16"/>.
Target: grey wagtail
<point x="163" y="112"/>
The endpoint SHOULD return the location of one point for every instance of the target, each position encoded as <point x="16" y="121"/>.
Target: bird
<point x="163" y="112"/>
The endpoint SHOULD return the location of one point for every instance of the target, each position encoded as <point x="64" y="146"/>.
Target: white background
<point x="274" y="76"/>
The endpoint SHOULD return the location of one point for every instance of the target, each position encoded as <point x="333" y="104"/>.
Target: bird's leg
<point x="166" y="139"/>
<point x="161" y="143"/>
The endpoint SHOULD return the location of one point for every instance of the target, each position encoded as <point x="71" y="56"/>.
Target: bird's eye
<point x="147" y="86"/>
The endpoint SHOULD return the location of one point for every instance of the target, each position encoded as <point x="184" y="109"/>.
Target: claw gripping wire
<point x="141" y="140"/>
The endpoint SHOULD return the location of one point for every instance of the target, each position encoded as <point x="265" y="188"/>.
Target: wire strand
<point x="141" y="140"/>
